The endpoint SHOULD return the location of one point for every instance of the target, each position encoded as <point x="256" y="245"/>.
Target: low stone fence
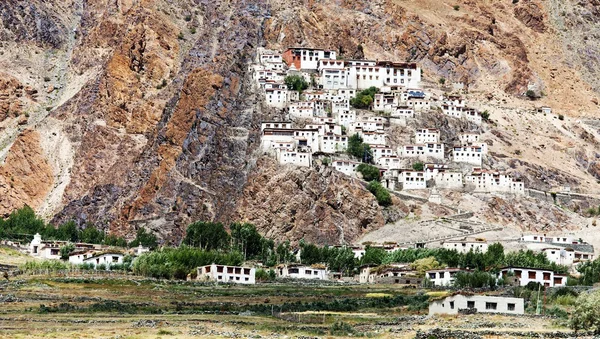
<point x="438" y="333"/>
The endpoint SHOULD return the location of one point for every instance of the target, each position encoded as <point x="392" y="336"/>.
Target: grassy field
<point x="131" y="307"/>
<point x="85" y="305"/>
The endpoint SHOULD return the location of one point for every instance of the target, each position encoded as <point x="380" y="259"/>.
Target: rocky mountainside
<point x="141" y="113"/>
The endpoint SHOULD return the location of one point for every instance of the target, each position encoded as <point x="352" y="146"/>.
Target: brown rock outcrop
<point x="25" y="177"/>
<point x="321" y="205"/>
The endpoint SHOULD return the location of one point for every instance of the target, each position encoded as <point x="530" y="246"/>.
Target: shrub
<point x="193" y="30"/>
<point x="587" y="313"/>
<point x="561" y="117"/>
<point x="341" y="328"/>
<point x="296" y="82"/>
<point x="418" y="166"/>
<point x="176" y="263"/>
<point x="369" y="172"/>
<point x="456" y="7"/>
<point x="364" y="98"/>
<point x="180" y="36"/>
<point x="263" y="275"/>
<point x="380" y="192"/>
<point x="66" y="250"/>
<point x="358" y="149"/>
<point x="442" y="81"/>
<point x="188" y="18"/>
<point x="326" y="161"/>
<point x="531" y="94"/>
<point x="485" y="115"/>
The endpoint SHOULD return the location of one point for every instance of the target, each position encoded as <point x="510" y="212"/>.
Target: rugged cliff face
<point x="141" y="113"/>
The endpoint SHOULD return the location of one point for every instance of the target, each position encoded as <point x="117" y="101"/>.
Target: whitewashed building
<point x="363" y="74"/>
<point x="389" y="162"/>
<point x="443" y="277"/>
<point x="422" y="151"/>
<point x="376" y="138"/>
<point x="346" y="118"/>
<point x="468" y="154"/>
<point x="560" y="256"/>
<point x="107" y="259"/>
<point x="427" y="135"/>
<point x="482" y="303"/>
<point x="297" y="158"/>
<point x="302" y="109"/>
<point x="347" y="167"/>
<point x="381" y="151"/>
<point x="443" y="177"/>
<point x="227" y="274"/>
<point x="332" y="143"/>
<point x="466" y="245"/>
<point x="307" y="58"/>
<point x="494" y="182"/>
<point x="275" y="125"/>
<point x="413" y="180"/>
<point x="524" y="276"/>
<point x="303" y="272"/>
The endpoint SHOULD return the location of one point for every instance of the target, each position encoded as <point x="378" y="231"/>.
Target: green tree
<point x="531" y="94"/>
<point x="587" y="313"/>
<point x="68" y="231"/>
<point x="381" y="193"/>
<point x="485" y="115"/>
<point x="358" y="149"/>
<point x="373" y="256"/>
<point x="477" y="279"/>
<point x="369" y="173"/>
<point x="207" y="235"/>
<point x="424" y="265"/>
<point x="92" y="235"/>
<point x="66" y="250"/>
<point x="309" y="253"/>
<point x="246" y="239"/>
<point x="144" y="238"/>
<point x="283" y="252"/>
<point x="296" y="82"/>
<point x="364" y="98"/>
<point x="113" y="240"/>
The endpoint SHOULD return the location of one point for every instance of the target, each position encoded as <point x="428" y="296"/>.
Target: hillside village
<point x="318" y="123"/>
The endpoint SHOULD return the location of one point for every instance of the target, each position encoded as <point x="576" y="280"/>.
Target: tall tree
<point x="207" y="235"/>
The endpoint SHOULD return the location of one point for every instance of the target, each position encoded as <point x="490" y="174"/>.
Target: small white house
<point x="443" y="277"/>
<point x="469" y="154"/>
<point x="560" y="256"/>
<point x="303" y="272"/>
<point x="466" y="245"/>
<point x="413" y="180"/>
<point x="482" y="303"/>
<point x="78" y="257"/>
<point x="297" y="158"/>
<point x="227" y="274"/>
<point x="107" y="259"/>
<point x="427" y="135"/>
<point x="524" y="276"/>
<point x="347" y="167"/>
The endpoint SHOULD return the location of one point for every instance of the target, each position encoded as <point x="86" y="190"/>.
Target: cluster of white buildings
<point x="328" y="121"/>
<point x="562" y="250"/>
<point x="83" y="253"/>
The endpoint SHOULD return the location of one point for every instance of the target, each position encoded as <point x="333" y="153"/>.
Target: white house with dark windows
<point x="107" y="259"/>
<point x="468" y="154"/>
<point x="466" y="245"/>
<point x="524" y="275"/>
<point x="348" y="167"/>
<point x="494" y="182"/>
<point x="314" y="272"/>
<point x="413" y="180"/>
<point x="443" y="277"/>
<point x="227" y="274"/>
<point x="427" y="135"/>
<point x="482" y="303"/>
